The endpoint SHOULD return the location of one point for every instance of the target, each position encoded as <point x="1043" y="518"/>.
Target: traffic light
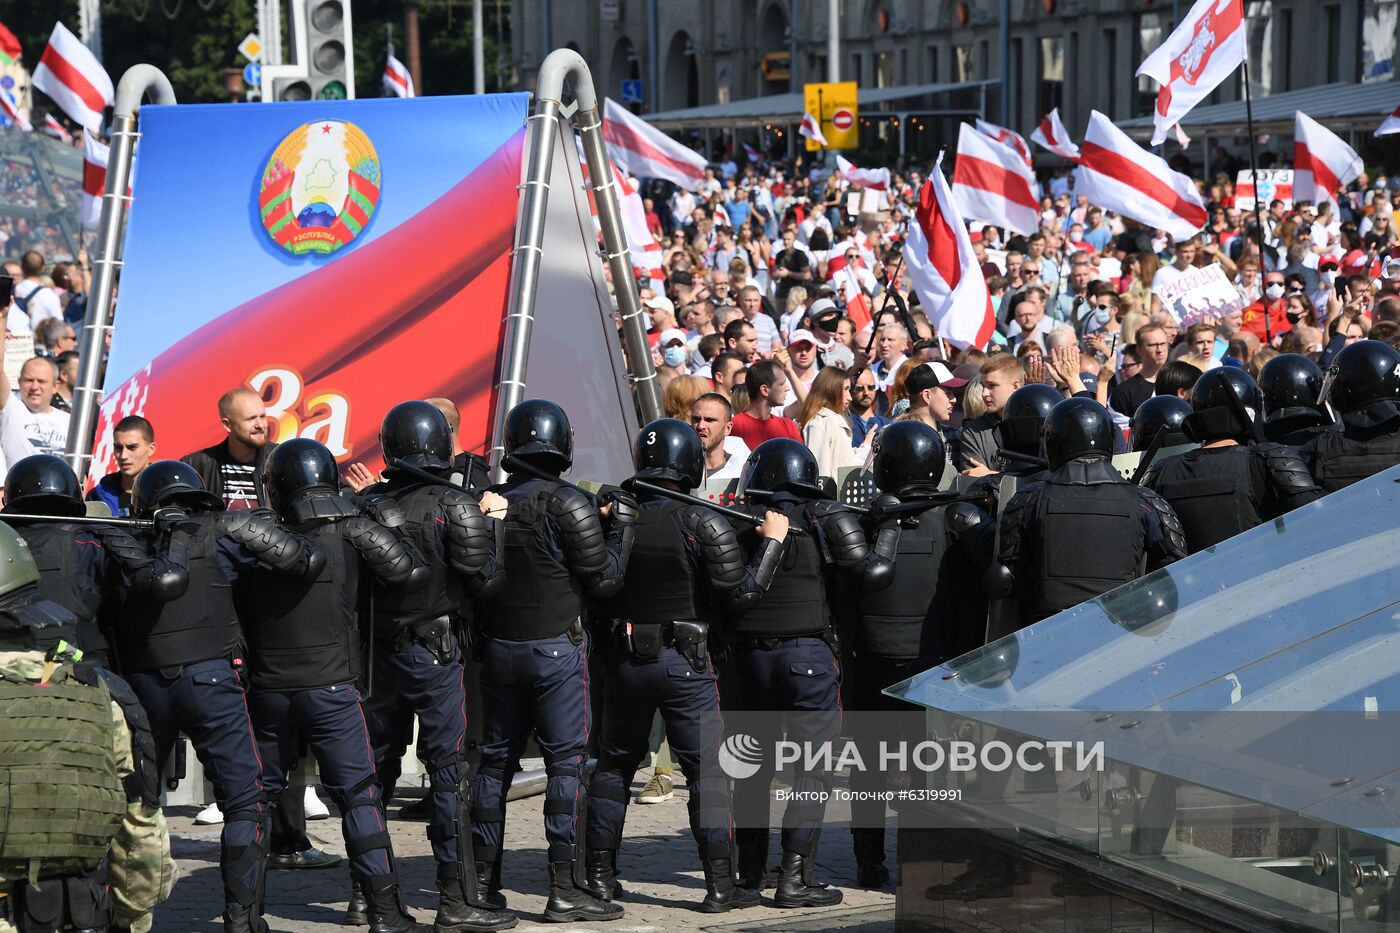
<point x="321" y="47"/>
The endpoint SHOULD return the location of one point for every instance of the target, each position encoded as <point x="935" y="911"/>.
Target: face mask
<point x="1274" y="291"/>
<point x="674" y="356"/>
<point x="1101" y="316"/>
<point x="1328" y="278"/>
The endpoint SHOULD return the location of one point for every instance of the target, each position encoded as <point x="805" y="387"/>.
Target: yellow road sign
<point x="835" y="106"/>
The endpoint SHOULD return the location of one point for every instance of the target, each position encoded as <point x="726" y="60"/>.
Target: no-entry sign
<point x="843" y="119"/>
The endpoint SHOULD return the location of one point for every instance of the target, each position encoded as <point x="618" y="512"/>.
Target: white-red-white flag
<point x="1006" y="137"/>
<point x="944" y="270"/>
<point x="752" y="154"/>
<point x="641" y="245"/>
<point x="642" y="150"/>
<point x="1117" y="174"/>
<point x="94" y="180"/>
<point x="10" y="108"/>
<point x="1200" y="53"/>
<point x="1182" y="139"/>
<point x="1322" y="163"/>
<point x="72" y="76"/>
<point x="876" y="179"/>
<point x="55" y="129"/>
<point x="1390" y="124"/>
<point x="397" y="81"/>
<point x="811" y="128"/>
<point x="1051" y="134"/>
<point x="993" y="185"/>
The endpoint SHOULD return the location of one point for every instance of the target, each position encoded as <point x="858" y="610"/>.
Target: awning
<point x="1338" y="106"/>
<point x="787" y="108"/>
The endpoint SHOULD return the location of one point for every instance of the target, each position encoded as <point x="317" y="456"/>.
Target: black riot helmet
<point x="1077" y="427"/>
<point x="669" y="449"/>
<point x="418" y="434"/>
<point x="1160" y="411"/>
<point x="1363" y="384"/>
<point x="1225" y="403"/>
<point x="908" y="455"/>
<point x="43" y="484"/>
<point x="537" y="431"/>
<point x="172" y="483"/>
<point x="780" y="465"/>
<point x="1291" y="385"/>
<point x="297" y="467"/>
<point x="1024" y="416"/>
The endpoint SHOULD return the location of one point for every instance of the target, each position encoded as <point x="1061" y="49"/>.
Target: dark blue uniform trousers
<point x="206" y="702"/>
<point x="540" y="685"/>
<point x="411" y="682"/>
<point x="333" y="724"/>
<point x="799" y="677"/>
<point x="689" y="705"/>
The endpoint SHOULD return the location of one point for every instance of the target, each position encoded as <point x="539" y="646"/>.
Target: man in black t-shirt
<point x="1152" y="347"/>
<point x="792" y="267"/>
<point x="232" y="469"/>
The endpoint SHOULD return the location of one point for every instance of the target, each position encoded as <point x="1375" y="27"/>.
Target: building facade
<point x="1075" y="54"/>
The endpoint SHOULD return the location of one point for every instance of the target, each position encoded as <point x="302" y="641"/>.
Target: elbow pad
<point x="384" y="553"/>
<point x="470" y="541"/>
<point x="169" y="585"/>
<point x="581" y="531"/>
<point x="1173" y="534"/>
<point x="271" y="544"/>
<point x="605" y="585"/>
<point x="493" y="579"/>
<point x="999" y="581"/>
<point x="719" y="547"/>
<point x="122" y="547"/>
<point x="765" y="564"/>
<point x="879" y="567"/>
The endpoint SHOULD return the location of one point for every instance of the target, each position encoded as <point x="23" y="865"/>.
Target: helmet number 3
<point x="651" y="435"/>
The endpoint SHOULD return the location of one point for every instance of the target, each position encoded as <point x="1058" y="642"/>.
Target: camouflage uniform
<point x="140" y="871"/>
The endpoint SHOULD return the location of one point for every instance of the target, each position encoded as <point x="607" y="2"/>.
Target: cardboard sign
<point x="1205" y="294"/>
<point x="1274" y="183"/>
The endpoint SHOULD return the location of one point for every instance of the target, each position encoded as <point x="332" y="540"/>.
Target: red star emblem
<point x="325" y="127"/>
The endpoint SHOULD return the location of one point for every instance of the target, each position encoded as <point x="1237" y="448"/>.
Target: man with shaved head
<point x="232" y="468"/>
<point x="468" y="470"/>
<point x="29" y="424"/>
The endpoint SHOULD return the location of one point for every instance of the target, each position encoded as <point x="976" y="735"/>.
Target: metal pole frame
<point x="543" y="124"/>
<point x="138" y="81"/>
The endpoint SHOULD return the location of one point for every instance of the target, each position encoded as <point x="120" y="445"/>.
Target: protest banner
<point x="1204" y="294"/>
<point x="1274" y="183"/>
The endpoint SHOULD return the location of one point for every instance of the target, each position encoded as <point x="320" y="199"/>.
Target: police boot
<point x="569" y="902"/>
<point x="386" y="910"/>
<point x="721" y="893"/>
<point x="243" y="918"/>
<point x="488" y="884"/>
<point x="753" y="857"/>
<point x="455" y="915"/>
<point x="870" y="857"/>
<point x="357" y="911"/>
<point x="600" y="874"/>
<point x="795" y="887"/>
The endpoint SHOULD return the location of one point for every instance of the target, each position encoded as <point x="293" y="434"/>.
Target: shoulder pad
<point x="564" y="499"/>
<point x="144" y="781"/>
<point x="1174" y="534"/>
<point x="382" y="551"/>
<point x="1153" y="474"/>
<point x="266" y="540"/>
<point x="719" y="545"/>
<point x="1286" y="466"/>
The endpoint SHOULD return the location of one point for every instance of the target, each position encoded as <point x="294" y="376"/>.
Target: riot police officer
<point x="417" y="656"/>
<point x="78" y="564"/>
<point x="184" y="657"/>
<point x="1233" y="481"/>
<point x="1291" y="385"/>
<point x="787" y="654"/>
<point x="686" y="562"/>
<point x="305" y="651"/>
<point x="98" y="853"/>
<point x="927" y="614"/>
<point x="1085" y="530"/>
<point x="1160" y="411"/>
<point x="560" y="550"/>
<point x="1363" y="385"/>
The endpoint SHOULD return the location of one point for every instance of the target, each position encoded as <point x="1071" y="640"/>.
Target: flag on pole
<point x="1117" y="174"/>
<point x="1007" y="138"/>
<point x="1322" y="163"/>
<point x="641" y="149"/>
<point x="812" y="129"/>
<point x="752" y="154"/>
<point x="876" y="179"/>
<point x="55" y="129"/>
<point x="992" y="184"/>
<point x="1390" y="124"/>
<point x="9" y="109"/>
<point x="943" y="269"/>
<point x="10" y="50"/>
<point x="641" y="245"/>
<point x="94" y="179"/>
<point x="1200" y="53"/>
<point x="397" y="81"/>
<point x="1052" y="135"/>
<point x="71" y="75"/>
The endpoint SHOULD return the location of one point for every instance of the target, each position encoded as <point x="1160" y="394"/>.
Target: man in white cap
<point x="672" y="350"/>
<point x="826" y="321"/>
<point x="661" y="311"/>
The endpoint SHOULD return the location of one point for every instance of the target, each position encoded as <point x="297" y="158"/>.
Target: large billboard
<point x="337" y="257"/>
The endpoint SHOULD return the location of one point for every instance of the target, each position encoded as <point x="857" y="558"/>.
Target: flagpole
<point x="1258" y="205"/>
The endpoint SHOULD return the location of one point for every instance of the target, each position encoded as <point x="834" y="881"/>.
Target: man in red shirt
<point x="1271" y="303"/>
<point x="768" y="388"/>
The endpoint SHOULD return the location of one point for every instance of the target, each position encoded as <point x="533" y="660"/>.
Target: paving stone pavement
<point x="658" y="864"/>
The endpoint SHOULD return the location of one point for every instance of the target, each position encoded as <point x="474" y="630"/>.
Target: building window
<point x="884" y="69"/>
<point x="1110" y="72"/>
<point x="1150" y="34"/>
<point x="856" y="66"/>
<point x="933" y="76"/>
<point x="903" y="66"/>
<point x="1015" y="105"/>
<point x="1258" y="35"/>
<point x="964" y="63"/>
<point x="1052" y="74"/>
<point x="1379" y="23"/>
<point x="1283" y="41"/>
<point x="1332" y="43"/>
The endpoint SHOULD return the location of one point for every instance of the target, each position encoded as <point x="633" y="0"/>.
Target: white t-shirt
<point x="42" y="301"/>
<point x="24" y="433"/>
<point x="1167" y="275"/>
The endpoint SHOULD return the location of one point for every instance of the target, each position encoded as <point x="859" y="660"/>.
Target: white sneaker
<point x="315" y="809"/>
<point x="209" y="816"/>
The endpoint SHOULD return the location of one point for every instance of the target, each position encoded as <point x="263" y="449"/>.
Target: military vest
<point x="395" y="609"/>
<point x="661" y="584"/>
<point x="52" y="547"/>
<point x="541" y="598"/>
<point x="796" y="602"/>
<point x="1339" y="460"/>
